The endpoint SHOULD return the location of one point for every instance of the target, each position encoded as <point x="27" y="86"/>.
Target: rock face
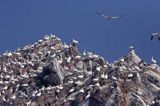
<point x="52" y="73"/>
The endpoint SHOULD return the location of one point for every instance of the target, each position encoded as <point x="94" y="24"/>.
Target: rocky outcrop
<point x="52" y="73"/>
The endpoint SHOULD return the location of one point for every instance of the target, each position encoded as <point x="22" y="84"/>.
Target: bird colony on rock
<point x="52" y="73"/>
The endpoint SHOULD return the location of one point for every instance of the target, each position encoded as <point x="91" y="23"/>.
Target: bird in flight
<point x="155" y="35"/>
<point x="108" y="18"/>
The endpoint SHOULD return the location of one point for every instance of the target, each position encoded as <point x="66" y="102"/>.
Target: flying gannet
<point x="107" y="17"/>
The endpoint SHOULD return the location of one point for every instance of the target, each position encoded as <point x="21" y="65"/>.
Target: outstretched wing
<point x="98" y="13"/>
<point x="117" y="16"/>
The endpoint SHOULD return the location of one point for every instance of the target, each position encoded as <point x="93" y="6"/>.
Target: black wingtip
<point x="159" y="38"/>
<point x="98" y="13"/>
<point x="152" y="37"/>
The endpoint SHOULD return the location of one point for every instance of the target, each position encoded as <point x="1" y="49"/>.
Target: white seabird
<point x="25" y="84"/>
<point x="89" y="73"/>
<point x="71" y="98"/>
<point x="153" y="60"/>
<point x="9" y="54"/>
<point x="52" y="36"/>
<point x="97" y="84"/>
<point x="78" y="57"/>
<point x="69" y="59"/>
<point x="81" y="90"/>
<point x="28" y="103"/>
<point x="1" y="82"/>
<point x="98" y="68"/>
<point x="78" y="82"/>
<point x="60" y="87"/>
<point x="71" y="90"/>
<point x="38" y="94"/>
<point x="104" y="76"/>
<point x="65" y="45"/>
<point x="131" y="48"/>
<point x="70" y="82"/>
<point x="52" y="47"/>
<point x="95" y="79"/>
<point x="87" y="96"/>
<point x="39" y="41"/>
<point x="4" y="99"/>
<point x="46" y="37"/>
<point x="122" y="59"/>
<point x="13" y="97"/>
<point x="114" y="78"/>
<point x="84" y="53"/>
<point x="80" y="76"/>
<point x="108" y="18"/>
<point x="75" y="41"/>
<point x="130" y="75"/>
<point x="155" y="35"/>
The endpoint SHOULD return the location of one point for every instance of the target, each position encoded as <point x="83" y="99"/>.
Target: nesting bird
<point x="46" y="37"/>
<point x="81" y="90"/>
<point x="153" y="60"/>
<point x="98" y="68"/>
<point x="104" y="76"/>
<point x="80" y="76"/>
<point x="130" y="75"/>
<point x="71" y="90"/>
<point x="75" y="41"/>
<point x="84" y="53"/>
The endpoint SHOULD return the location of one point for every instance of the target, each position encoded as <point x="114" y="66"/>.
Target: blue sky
<point x="25" y="21"/>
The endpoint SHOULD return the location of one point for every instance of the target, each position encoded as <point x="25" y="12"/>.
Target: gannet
<point x="153" y="60"/>
<point x="81" y="90"/>
<point x="28" y="103"/>
<point x="46" y="37"/>
<point x="4" y="99"/>
<point x="69" y="59"/>
<point x="78" y="82"/>
<point x="104" y="76"/>
<point x="95" y="79"/>
<point x="130" y="75"/>
<point x="71" y="90"/>
<point x="80" y="76"/>
<point x="84" y="53"/>
<point x="87" y="96"/>
<point x="60" y="87"/>
<point x="38" y="94"/>
<point x="114" y="78"/>
<point x="25" y="84"/>
<point x="70" y="81"/>
<point x="65" y="45"/>
<point x="97" y="84"/>
<point x="78" y="57"/>
<point x="89" y="72"/>
<point x="155" y="35"/>
<point x="98" y="69"/>
<point x="75" y="41"/>
<point x="131" y="48"/>
<point x="108" y="18"/>
<point x="13" y="97"/>
<point x="52" y="36"/>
